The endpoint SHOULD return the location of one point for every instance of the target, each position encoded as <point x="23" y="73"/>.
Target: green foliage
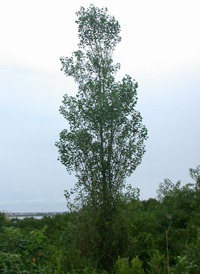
<point x="156" y="265"/>
<point x="105" y="142"/>
<point x="11" y="263"/>
<point x="195" y="174"/>
<point x="178" y="202"/>
<point x="123" y="266"/>
<point x="188" y="261"/>
<point x="162" y="236"/>
<point x="24" y="254"/>
<point x="2" y="220"/>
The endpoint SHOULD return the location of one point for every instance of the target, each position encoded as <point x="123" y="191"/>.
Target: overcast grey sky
<point x="160" y="48"/>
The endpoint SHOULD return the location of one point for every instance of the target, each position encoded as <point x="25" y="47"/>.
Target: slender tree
<point x="105" y="142"/>
<point x="195" y="175"/>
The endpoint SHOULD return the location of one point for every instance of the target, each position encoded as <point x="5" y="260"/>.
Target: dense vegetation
<point x="159" y="235"/>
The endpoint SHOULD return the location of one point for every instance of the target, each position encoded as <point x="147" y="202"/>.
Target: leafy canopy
<point x="105" y="142"/>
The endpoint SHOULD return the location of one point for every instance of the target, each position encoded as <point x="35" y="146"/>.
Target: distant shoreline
<point x="31" y="214"/>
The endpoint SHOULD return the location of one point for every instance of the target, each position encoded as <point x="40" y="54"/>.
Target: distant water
<point x="22" y="217"/>
<point x="37" y="215"/>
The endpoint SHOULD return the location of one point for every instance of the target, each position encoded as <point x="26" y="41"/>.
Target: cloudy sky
<point x="160" y="48"/>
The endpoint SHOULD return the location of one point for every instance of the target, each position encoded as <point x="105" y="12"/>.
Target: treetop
<point x="97" y="27"/>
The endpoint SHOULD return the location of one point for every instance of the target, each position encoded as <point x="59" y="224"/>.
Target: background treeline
<point x="151" y="236"/>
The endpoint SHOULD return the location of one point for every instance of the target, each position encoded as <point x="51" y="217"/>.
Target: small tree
<point x="195" y="175"/>
<point x="105" y="142"/>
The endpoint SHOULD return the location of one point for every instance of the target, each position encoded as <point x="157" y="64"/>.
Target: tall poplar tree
<point x="105" y="142"/>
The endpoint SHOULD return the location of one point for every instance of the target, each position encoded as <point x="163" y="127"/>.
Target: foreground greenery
<point x="159" y="235"/>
